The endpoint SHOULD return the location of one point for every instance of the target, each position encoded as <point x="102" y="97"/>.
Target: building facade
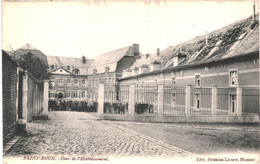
<point x="78" y="78"/>
<point x="204" y="62"/>
<point x="68" y="78"/>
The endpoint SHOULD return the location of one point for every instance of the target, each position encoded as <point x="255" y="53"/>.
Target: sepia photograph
<point x="130" y="81"/>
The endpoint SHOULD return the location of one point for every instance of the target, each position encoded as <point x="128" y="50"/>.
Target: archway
<point x="60" y="95"/>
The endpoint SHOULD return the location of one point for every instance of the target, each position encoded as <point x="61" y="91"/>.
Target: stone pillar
<point x="35" y="99"/>
<point x="45" y="97"/>
<point x="188" y="100"/>
<point x="101" y="97"/>
<point x="160" y="99"/>
<point x="132" y="100"/>
<point x="25" y="95"/>
<point x="239" y="101"/>
<point x="214" y="93"/>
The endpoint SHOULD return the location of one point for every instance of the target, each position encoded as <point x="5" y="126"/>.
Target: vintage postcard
<point x="146" y="81"/>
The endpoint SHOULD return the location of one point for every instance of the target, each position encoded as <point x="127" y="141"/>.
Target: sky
<point x="90" y="28"/>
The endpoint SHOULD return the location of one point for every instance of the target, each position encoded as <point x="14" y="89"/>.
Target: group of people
<point x="69" y="105"/>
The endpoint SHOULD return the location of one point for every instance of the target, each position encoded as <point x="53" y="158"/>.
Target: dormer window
<point x="68" y="68"/>
<point x="107" y="69"/>
<point x="52" y="67"/>
<point x="94" y="71"/>
<point x="76" y="71"/>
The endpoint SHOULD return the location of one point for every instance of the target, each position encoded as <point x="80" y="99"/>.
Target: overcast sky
<point x="92" y="28"/>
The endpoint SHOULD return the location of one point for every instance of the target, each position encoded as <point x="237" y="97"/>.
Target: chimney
<point x="158" y="52"/>
<point x="254" y="23"/>
<point x="180" y="48"/>
<point x="254" y="11"/>
<point x="146" y="55"/>
<point x="135" y="49"/>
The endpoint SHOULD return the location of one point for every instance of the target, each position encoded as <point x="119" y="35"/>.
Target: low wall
<point x="172" y="119"/>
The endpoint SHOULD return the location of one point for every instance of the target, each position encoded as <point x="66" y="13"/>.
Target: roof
<point x="73" y="63"/>
<point x="35" y="52"/>
<point x="233" y="40"/>
<point x="27" y="46"/>
<point x="228" y="41"/>
<point x="110" y="59"/>
<point x="112" y="56"/>
<point x="68" y="61"/>
<point x="144" y="60"/>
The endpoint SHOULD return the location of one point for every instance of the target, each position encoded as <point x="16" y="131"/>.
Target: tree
<point x="33" y="65"/>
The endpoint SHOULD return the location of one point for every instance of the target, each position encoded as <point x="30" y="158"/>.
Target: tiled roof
<point x="28" y="48"/>
<point x="233" y="40"/>
<point x="144" y="60"/>
<point x="112" y="56"/>
<point x="68" y="61"/>
<point x="228" y="41"/>
<point x="74" y="63"/>
<point x="110" y="60"/>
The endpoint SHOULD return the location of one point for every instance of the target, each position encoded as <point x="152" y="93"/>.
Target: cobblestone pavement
<point x="76" y="133"/>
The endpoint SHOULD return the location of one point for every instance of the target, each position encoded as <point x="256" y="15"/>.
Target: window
<point x="68" y="68"/>
<point x="173" y="99"/>
<point x="52" y="95"/>
<point x="67" y="94"/>
<point x="156" y="81"/>
<point x="60" y="82"/>
<point x="79" y="94"/>
<point x="173" y="81"/>
<point x="197" y="101"/>
<point x="94" y="71"/>
<point x="256" y="61"/>
<point x="68" y="81"/>
<point x="83" y="94"/>
<point x="75" y="95"/>
<point x="52" y="82"/>
<point x="233" y="103"/>
<point x="76" y="71"/>
<point x="106" y="69"/>
<point x="75" y="82"/>
<point x="52" y="67"/>
<point x="83" y="83"/>
<point x="197" y="80"/>
<point x="233" y="78"/>
<point x="80" y="83"/>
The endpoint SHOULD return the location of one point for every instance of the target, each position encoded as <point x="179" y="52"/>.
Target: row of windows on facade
<point x="197" y="98"/>
<point x="79" y="94"/>
<point x="91" y="82"/>
<point x="233" y="78"/>
<point x="76" y="71"/>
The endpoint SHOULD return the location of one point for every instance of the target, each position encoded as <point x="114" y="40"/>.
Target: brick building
<point x="108" y="67"/>
<point x="10" y="96"/>
<point x="78" y="78"/>
<point x="68" y="77"/>
<point x="227" y="57"/>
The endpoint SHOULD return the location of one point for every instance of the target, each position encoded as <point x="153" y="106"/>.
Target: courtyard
<point x="78" y="134"/>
